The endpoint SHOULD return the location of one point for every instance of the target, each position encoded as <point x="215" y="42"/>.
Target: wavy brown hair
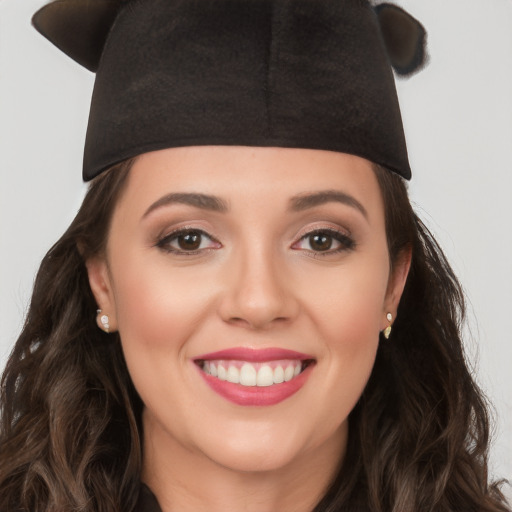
<point x="70" y="427"/>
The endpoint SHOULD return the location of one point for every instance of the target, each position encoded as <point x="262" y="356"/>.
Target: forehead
<point x="240" y="173"/>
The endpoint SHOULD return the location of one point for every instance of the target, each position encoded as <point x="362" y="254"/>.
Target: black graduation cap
<point x="289" y="73"/>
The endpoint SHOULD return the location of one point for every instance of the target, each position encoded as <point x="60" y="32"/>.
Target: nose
<point x="258" y="292"/>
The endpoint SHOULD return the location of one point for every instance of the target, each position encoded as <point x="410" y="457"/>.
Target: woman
<point x="215" y="322"/>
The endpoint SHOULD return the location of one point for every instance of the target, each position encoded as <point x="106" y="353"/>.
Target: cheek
<point x="349" y="311"/>
<point x="157" y="308"/>
<point x="348" y="317"/>
<point x="159" y="311"/>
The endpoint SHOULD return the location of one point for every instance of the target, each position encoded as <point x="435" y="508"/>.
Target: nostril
<point x="238" y="321"/>
<point x="255" y="301"/>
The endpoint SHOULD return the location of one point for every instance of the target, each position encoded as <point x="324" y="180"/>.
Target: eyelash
<point x="345" y="241"/>
<point x="164" y="242"/>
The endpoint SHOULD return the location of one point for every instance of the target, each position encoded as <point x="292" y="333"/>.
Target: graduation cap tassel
<point x="78" y="27"/>
<point x="196" y="72"/>
<point x="404" y="38"/>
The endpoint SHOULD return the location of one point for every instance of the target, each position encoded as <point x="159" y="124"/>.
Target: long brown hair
<point x="70" y="417"/>
<point x="70" y="427"/>
<point x="419" y="435"/>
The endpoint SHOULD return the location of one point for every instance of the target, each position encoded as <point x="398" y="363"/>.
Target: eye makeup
<point x="325" y="241"/>
<point x="188" y="241"/>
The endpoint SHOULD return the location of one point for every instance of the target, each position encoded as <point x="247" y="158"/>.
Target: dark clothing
<point x="147" y="501"/>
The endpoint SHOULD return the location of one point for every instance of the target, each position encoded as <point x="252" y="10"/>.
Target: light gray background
<point x="458" y="120"/>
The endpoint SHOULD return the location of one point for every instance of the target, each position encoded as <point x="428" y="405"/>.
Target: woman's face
<point x="249" y="286"/>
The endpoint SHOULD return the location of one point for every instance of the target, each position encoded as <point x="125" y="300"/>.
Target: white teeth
<point x="248" y="375"/>
<point x="278" y="375"/>
<point x="253" y="374"/>
<point x="221" y="372"/>
<point x="233" y="375"/>
<point x="265" y="376"/>
<point x="288" y="373"/>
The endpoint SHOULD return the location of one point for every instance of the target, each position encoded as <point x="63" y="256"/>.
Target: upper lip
<point x="254" y="355"/>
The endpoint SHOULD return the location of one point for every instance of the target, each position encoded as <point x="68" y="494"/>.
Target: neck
<point x="186" y="480"/>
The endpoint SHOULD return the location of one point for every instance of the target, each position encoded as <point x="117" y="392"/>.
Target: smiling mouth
<point x="254" y="374"/>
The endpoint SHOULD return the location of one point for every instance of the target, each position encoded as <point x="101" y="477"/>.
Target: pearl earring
<point x="387" y="330"/>
<point x="104" y="321"/>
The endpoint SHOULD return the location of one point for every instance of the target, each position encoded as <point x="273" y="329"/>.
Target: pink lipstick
<point x="255" y="377"/>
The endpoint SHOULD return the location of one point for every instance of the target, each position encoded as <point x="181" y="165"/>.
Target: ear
<point x="101" y="287"/>
<point x="396" y="284"/>
<point x="404" y="37"/>
<point x="78" y="27"/>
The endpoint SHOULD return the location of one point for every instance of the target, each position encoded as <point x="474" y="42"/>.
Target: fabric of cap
<point x="288" y="73"/>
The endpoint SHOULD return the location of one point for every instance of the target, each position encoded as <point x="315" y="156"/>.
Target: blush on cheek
<point x="351" y="305"/>
<point x="354" y="325"/>
<point x="147" y="311"/>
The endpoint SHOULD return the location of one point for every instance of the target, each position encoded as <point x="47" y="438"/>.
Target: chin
<point x="270" y="449"/>
<point x="256" y="460"/>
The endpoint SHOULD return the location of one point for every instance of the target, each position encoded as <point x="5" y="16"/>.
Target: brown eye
<point x="327" y="241"/>
<point x="190" y="241"/>
<point x="320" y="241"/>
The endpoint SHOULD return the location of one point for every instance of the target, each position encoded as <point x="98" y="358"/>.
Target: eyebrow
<point x="203" y="201"/>
<point x="305" y="201"/>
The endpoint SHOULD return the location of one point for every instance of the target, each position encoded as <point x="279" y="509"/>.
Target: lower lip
<point x="256" y="395"/>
